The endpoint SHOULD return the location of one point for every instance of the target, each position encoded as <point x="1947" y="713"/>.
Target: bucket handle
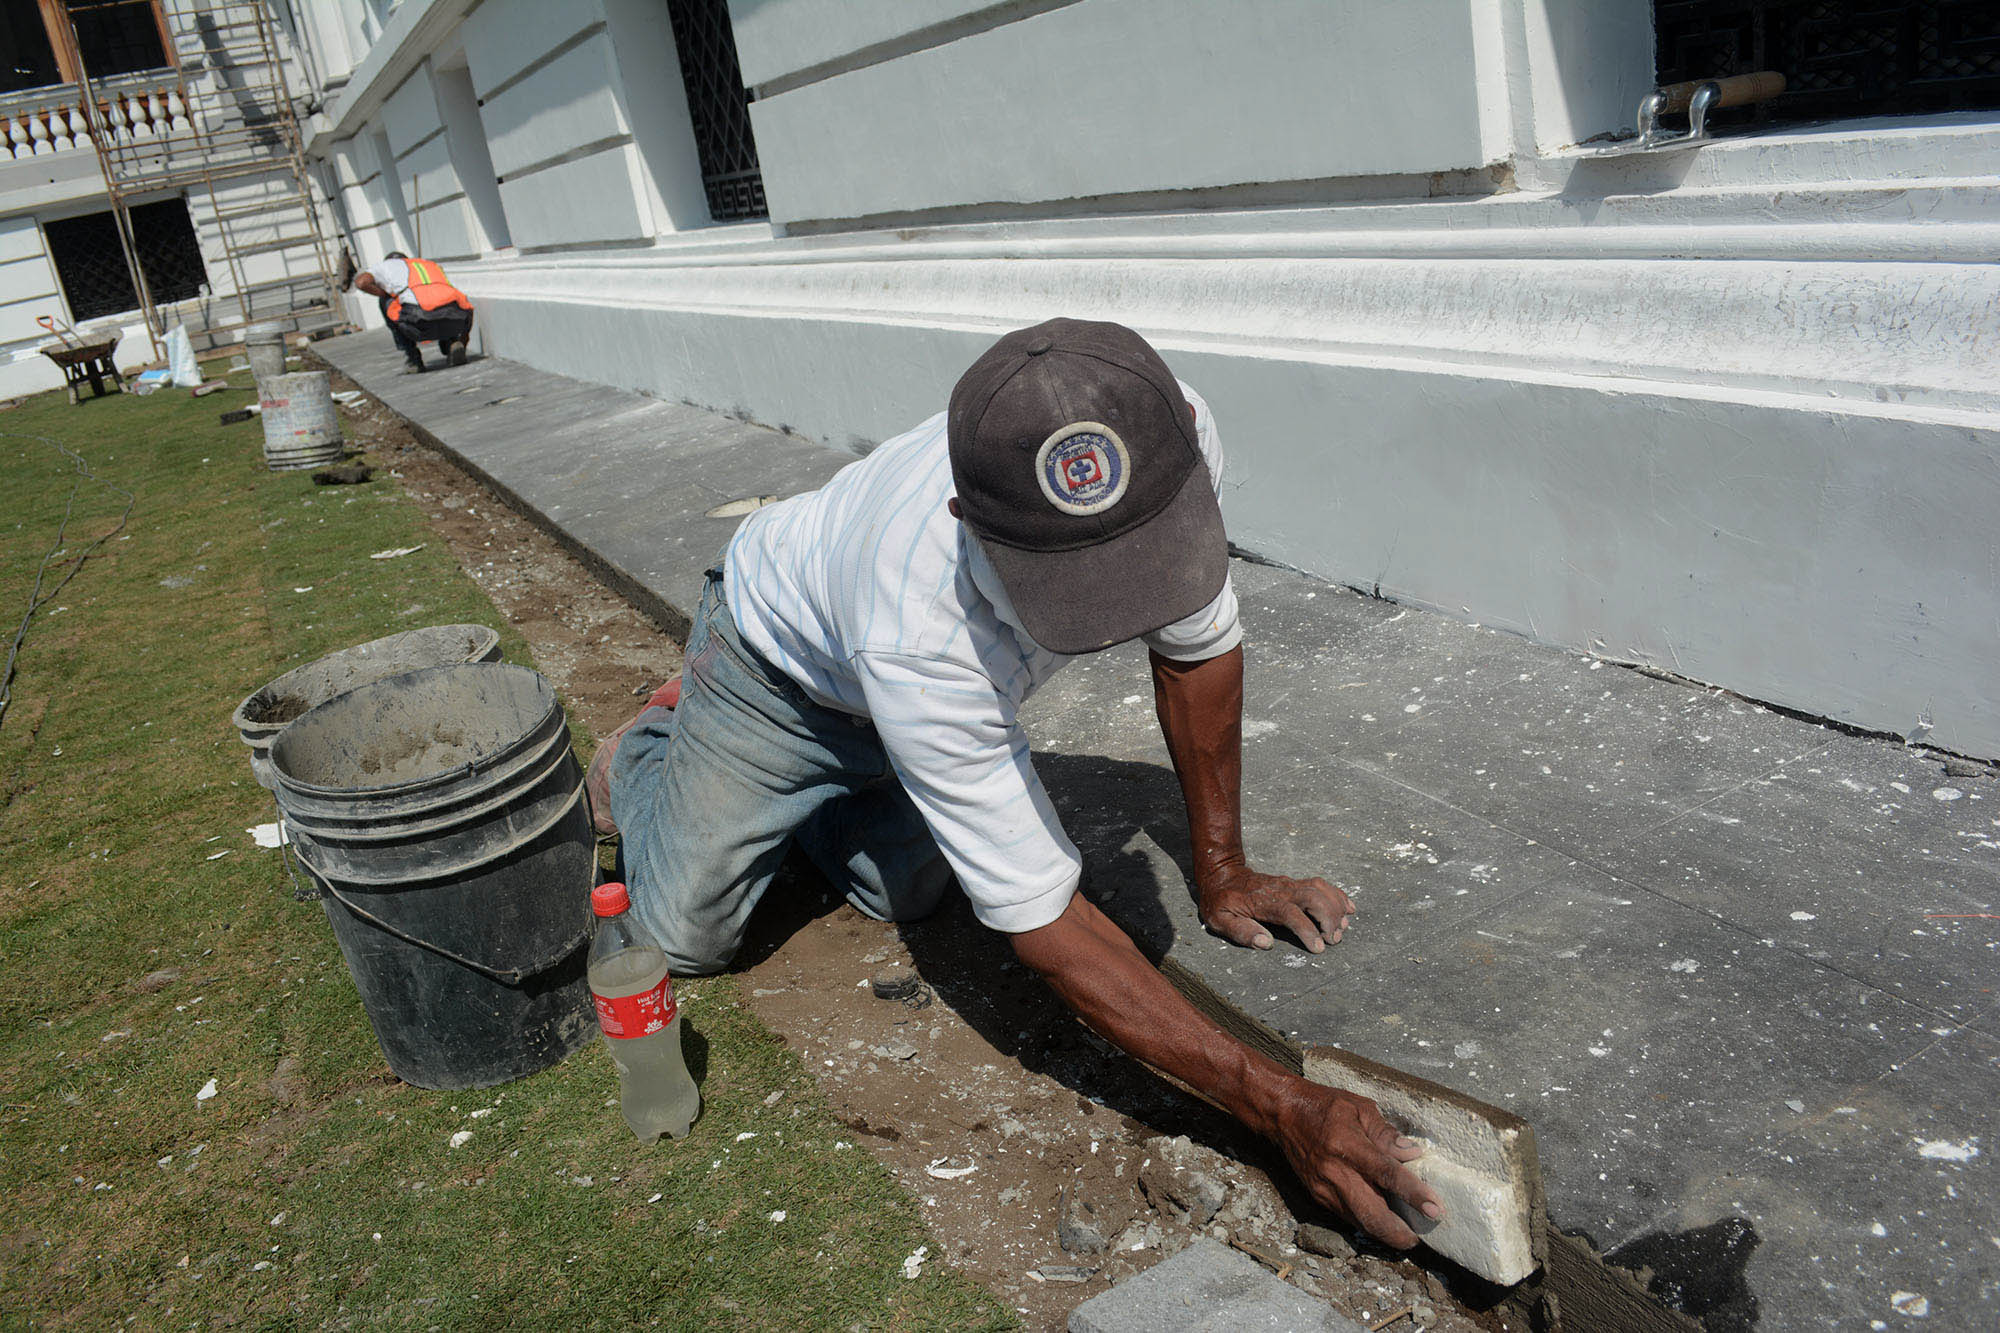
<point x="507" y="976"/>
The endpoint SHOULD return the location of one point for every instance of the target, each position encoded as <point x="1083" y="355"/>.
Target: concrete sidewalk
<point x="1735" y="968"/>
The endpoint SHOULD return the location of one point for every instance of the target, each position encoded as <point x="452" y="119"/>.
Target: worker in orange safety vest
<point x="420" y="306"/>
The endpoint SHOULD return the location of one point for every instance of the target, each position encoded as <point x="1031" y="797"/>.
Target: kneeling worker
<point x="420" y="307"/>
<point x="852" y="681"/>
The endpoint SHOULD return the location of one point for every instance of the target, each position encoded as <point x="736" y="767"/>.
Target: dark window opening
<point x="1839" y="57"/>
<point x="719" y="106"/>
<point x="117" y="36"/>
<point x="91" y="263"/>
<point x="27" y="58"/>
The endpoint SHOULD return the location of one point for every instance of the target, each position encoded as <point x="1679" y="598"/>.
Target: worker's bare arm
<point x="1343" y="1150"/>
<point x="366" y="282"/>
<point x="1200" y="705"/>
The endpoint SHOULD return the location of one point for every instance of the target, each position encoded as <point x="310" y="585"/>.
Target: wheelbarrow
<point x="81" y="361"/>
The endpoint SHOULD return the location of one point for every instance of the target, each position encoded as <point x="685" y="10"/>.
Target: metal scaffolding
<point x="219" y="117"/>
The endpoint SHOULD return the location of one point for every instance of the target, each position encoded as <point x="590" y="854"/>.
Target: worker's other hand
<point x="1353" y="1160"/>
<point x="1238" y="903"/>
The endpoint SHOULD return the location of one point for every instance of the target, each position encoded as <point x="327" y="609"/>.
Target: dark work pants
<point x="443" y="326"/>
<point x="404" y="342"/>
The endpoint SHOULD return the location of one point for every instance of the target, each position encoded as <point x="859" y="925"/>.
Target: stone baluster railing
<point x="50" y="120"/>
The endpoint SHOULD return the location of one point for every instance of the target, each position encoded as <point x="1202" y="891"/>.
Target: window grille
<point x="1839" y="57"/>
<point x="91" y="264"/>
<point x="719" y="107"/>
<point x="117" y="36"/>
<point x="27" y="59"/>
<point x="169" y="253"/>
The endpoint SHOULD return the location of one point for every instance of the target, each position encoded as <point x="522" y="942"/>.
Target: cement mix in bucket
<point x="293" y="693"/>
<point x="406" y="738"/>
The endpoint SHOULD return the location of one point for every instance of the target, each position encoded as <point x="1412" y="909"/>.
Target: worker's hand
<point x="1352" y="1160"/>
<point x="1237" y="903"/>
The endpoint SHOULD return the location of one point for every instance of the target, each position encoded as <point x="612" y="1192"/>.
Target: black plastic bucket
<point x="259" y="718"/>
<point x="442" y="811"/>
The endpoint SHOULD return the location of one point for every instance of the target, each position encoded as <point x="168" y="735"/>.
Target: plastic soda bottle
<point x="641" y="1022"/>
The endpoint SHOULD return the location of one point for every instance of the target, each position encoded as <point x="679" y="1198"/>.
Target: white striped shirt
<point x="870" y="595"/>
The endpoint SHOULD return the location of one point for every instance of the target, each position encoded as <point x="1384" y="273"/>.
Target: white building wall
<point x="1061" y="107"/>
<point x="28" y="290"/>
<point x="585" y="121"/>
<point x="1729" y="413"/>
<point x="777" y="39"/>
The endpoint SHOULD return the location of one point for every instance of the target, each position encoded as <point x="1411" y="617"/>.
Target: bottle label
<point x="638" y="1015"/>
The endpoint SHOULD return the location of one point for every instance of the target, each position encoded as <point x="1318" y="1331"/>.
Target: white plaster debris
<point x="1599" y="1051"/>
<point x="1909" y="1303"/>
<point x="482" y="1112"/>
<point x="1259" y="728"/>
<point x="1466" y="1050"/>
<point x="1804" y="916"/>
<point x="1878" y="1230"/>
<point x="1687" y="965"/>
<point x="1944" y="1150"/>
<point x="746" y="1134"/>
<point x="945" y="1169"/>
<point x="396" y="551"/>
<point x="1946" y="794"/>
<point x="217" y="856"/>
<point x="1902" y="787"/>
<point x="778" y="1216"/>
<point x="268" y="835"/>
<point x="460" y="1139"/>
<point x="1130" y="699"/>
<point x="914" y="1265"/>
<point x="207" y="1091"/>
<point x="656" y="1198"/>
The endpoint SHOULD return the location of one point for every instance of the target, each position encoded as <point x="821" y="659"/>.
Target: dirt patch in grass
<point x="601" y="652"/>
<point x="981" y="1067"/>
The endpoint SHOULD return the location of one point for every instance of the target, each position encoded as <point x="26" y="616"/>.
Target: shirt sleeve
<point x="957" y="748"/>
<point x="1215" y="629"/>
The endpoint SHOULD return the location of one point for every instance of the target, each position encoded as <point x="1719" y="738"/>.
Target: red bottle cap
<point x="609" y="899"/>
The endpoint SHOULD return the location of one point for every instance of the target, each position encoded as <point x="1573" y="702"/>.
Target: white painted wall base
<point x="1765" y="474"/>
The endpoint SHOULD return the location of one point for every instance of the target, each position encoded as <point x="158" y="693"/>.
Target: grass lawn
<point x="148" y="946"/>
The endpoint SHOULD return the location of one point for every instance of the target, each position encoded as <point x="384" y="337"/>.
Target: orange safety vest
<point x="428" y="288"/>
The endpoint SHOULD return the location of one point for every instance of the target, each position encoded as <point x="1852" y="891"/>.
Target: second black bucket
<point x="442" y="811"/>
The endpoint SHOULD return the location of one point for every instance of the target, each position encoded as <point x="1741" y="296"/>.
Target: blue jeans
<point x="708" y="795"/>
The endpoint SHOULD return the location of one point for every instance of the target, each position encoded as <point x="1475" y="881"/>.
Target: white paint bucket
<point x="264" y="349"/>
<point x="301" y="428"/>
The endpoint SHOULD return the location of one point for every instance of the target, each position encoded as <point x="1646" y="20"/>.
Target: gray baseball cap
<point x="1077" y="469"/>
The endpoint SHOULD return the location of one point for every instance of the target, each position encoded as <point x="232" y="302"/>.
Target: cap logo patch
<point x="1083" y="468"/>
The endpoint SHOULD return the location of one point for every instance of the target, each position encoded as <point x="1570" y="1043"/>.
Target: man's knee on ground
<point x="914" y="900"/>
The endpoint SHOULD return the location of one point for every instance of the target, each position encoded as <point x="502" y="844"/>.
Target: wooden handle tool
<point x="1737" y="90"/>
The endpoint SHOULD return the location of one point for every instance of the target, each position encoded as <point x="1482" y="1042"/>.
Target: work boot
<point x="597" y="782"/>
<point x="457" y="353"/>
<point x="413" y="366"/>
